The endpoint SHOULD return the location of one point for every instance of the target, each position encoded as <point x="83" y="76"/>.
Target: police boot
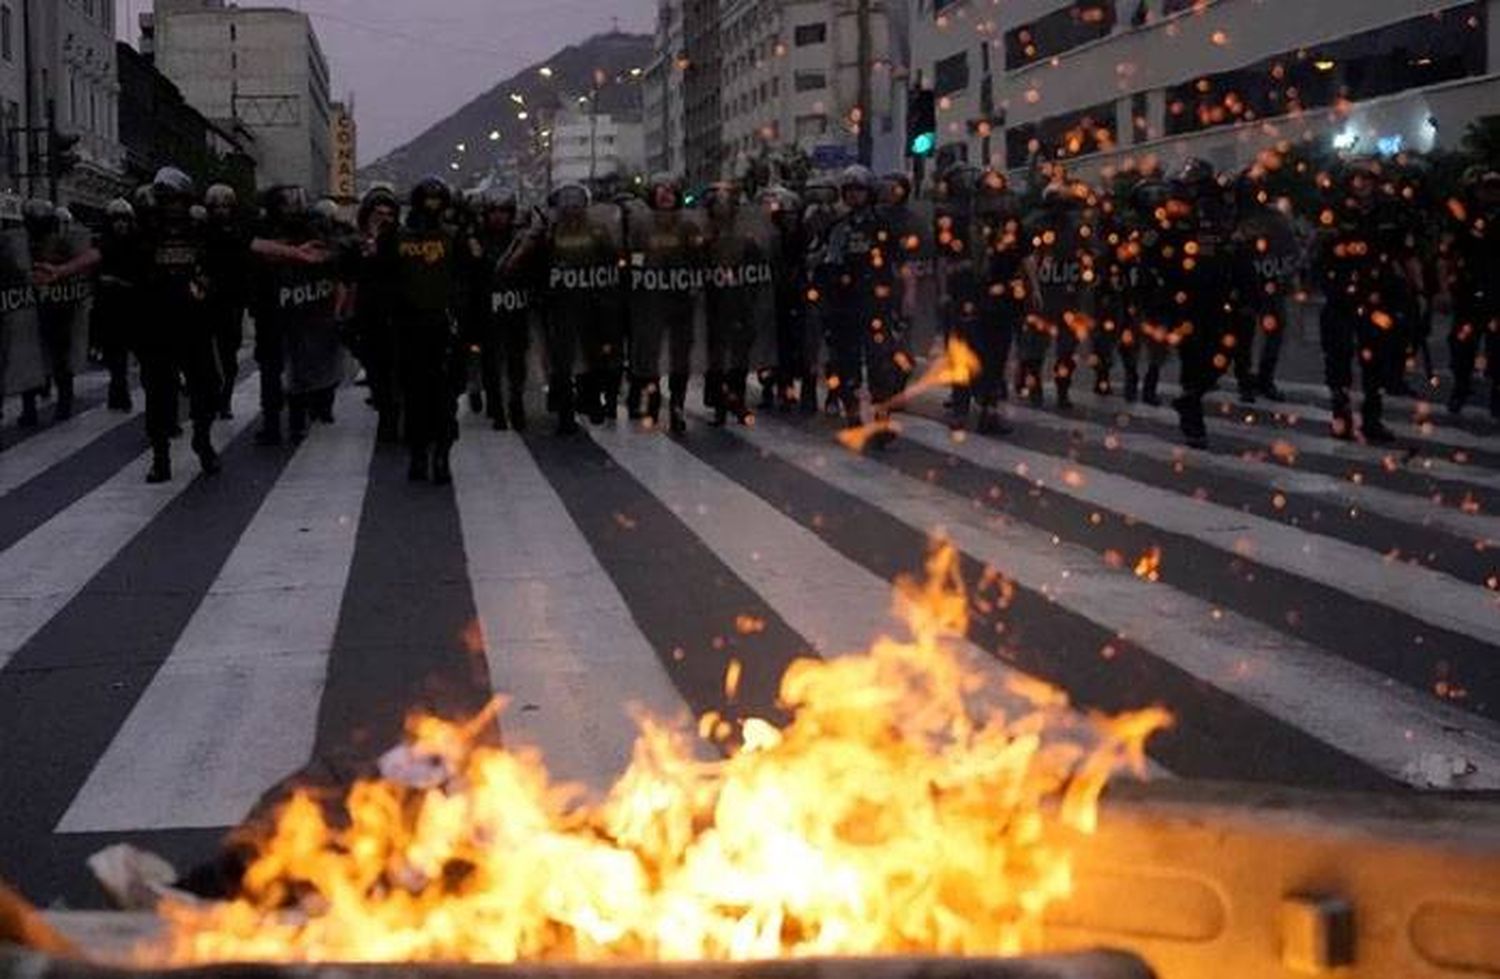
<point x="64" y="398"/>
<point x="1458" y="398"/>
<point x="498" y="420"/>
<point x="119" y="396"/>
<point x="716" y="396"/>
<point x="270" y="429"/>
<point x="739" y="383"/>
<point x="1343" y="415"/>
<point x="1495" y="400"/>
<point x="442" y="470"/>
<point x="476" y="401"/>
<point x="29" y="417"/>
<point x="1266" y="386"/>
<point x="653" y="403"/>
<point x="1030" y="382"/>
<point x="203" y="447"/>
<point x="417" y="470"/>
<point x="1132" y="385"/>
<point x="635" y="397"/>
<point x="958" y="408"/>
<point x="517" y="412"/>
<point x="1372" y="427"/>
<point x="161" y="464"/>
<point x="679" y="383"/>
<point x="609" y="387"/>
<point x="1190" y="420"/>
<point x="1149" y="385"/>
<point x="990" y="422"/>
<point x="1102" y="385"/>
<point x="1247" y="391"/>
<point x="807" y="394"/>
<point x="1064" y="400"/>
<point x="768" y="384"/>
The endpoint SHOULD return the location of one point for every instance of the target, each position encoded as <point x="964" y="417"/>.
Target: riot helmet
<point x="39" y="216"/>
<point x="895" y="189"/>
<point x="171" y="187"/>
<point x="571" y="198"/>
<point x="430" y="199"/>
<point x="664" y="193"/>
<point x="722" y="199"/>
<point x="378" y="208"/>
<point x="221" y="201"/>
<point x="820" y="192"/>
<point x="858" y="187"/>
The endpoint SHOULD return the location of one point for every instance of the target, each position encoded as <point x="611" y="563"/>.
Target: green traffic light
<point x="923" y="144"/>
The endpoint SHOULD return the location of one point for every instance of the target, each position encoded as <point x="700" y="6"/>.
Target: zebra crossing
<point x="1313" y="612"/>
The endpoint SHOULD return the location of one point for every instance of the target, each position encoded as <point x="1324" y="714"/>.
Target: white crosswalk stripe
<point x="233" y="709"/>
<point x="560" y="639"/>
<point x="1354" y="709"/>
<point x="42" y="572"/>
<point x="21" y="463"/>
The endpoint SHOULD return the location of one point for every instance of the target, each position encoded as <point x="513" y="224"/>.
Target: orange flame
<point x="890" y="815"/>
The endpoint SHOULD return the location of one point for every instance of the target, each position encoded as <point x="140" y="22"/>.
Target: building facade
<point x="1104" y="82"/>
<point x="662" y="92"/>
<point x="587" y="148"/>
<point x="259" y="68"/>
<point x="58" y="72"/>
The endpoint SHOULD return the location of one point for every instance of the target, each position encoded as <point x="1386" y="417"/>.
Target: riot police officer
<point x="117" y="306"/>
<point x="1064" y="262"/>
<point x="306" y="303"/>
<point x="993" y="302"/>
<point x="739" y="300"/>
<point x="1198" y="278"/>
<point x="1265" y="237"/>
<point x="506" y="295"/>
<point x="665" y="247"/>
<point x="796" y="345"/>
<point x="1358" y="262"/>
<point x="862" y="298"/>
<point x="61" y="308"/>
<point x="378" y="221"/>
<point x="284" y="218"/>
<point x="427" y="344"/>
<point x="227" y="264"/>
<point x="1471" y="287"/>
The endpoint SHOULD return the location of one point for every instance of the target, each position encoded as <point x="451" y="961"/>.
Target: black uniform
<point x="1265" y="238"/>
<point x="176" y="341"/>
<point x="505" y="341"/>
<point x="666" y="258"/>
<point x="1066" y="261"/>
<point x="227" y="266"/>
<point x="740" y="302"/>
<point x="117" y="307"/>
<point x="1197" y="276"/>
<point x="376" y="278"/>
<point x="1005" y="296"/>
<point x="61" y="313"/>
<point x="796" y="347"/>
<point x="428" y="353"/>
<point x="861" y="306"/>
<point x="583" y="296"/>
<point x="1471" y="253"/>
<point x="1358" y="264"/>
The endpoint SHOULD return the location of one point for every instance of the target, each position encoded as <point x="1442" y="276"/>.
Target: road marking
<point x="26" y="460"/>
<point x="836" y="604"/>
<point x="1362" y="713"/>
<point x="1308" y="444"/>
<point x="1421" y="593"/>
<point x="560" y="639"/>
<point x="41" y="573"/>
<point x="1415" y="510"/>
<point x="234" y="708"/>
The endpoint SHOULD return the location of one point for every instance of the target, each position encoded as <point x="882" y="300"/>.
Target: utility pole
<point x="866" y="85"/>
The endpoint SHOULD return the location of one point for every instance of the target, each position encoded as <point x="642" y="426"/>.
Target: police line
<point x="678" y="279"/>
<point x="26" y="296"/>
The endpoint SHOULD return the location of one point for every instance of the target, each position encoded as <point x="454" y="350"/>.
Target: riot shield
<point x="64" y="308"/>
<point x="22" y="367"/>
<point x="740" y="286"/>
<point x="306" y="298"/>
<point x="664" y="258"/>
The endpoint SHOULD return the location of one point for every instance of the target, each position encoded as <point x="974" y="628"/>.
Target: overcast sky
<point x="411" y="62"/>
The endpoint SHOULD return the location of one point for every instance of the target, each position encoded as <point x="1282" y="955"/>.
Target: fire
<point x="891" y="814"/>
<point x="958" y="365"/>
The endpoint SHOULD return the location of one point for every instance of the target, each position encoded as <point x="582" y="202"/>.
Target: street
<point x="1312" y="612"/>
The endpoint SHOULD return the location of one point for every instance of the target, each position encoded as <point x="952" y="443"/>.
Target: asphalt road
<point x="1323" y="613"/>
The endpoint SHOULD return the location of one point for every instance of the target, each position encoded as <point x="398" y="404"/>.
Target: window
<point x="951" y="74"/>
<point x="1061" y="137"/>
<point x="7" y="31"/>
<point x="809" y="81"/>
<point x="1078" y="23"/>
<point x="1414" y="53"/>
<point x="811" y="127"/>
<point x="810" y="34"/>
<point x="1140" y="117"/>
<point x="1170" y="7"/>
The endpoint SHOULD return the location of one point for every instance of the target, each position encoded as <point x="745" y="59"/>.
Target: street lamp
<point x="544" y="71"/>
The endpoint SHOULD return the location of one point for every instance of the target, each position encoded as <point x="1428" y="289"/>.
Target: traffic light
<point x="63" y="157"/>
<point x="921" y="123"/>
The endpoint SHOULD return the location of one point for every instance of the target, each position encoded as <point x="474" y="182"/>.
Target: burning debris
<point x="889" y="816"/>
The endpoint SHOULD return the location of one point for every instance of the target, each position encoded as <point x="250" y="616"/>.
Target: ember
<point x="890" y="815"/>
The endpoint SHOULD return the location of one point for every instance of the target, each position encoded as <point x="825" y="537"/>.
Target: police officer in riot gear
<point x="1143" y="332"/>
<point x="861" y="290"/>
<point x="665" y="248"/>
<point x="992" y="301"/>
<point x="58" y="310"/>
<point x="228" y="268"/>
<point x="284" y="218"/>
<point x="378" y="219"/>
<point x="1063" y="262"/>
<point x="1471" y="287"/>
<point x="507" y="298"/>
<point x="1265" y="238"/>
<point x="1198" y="279"/>
<point x="426" y="331"/>
<point x="739" y="299"/>
<point x="305" y="303"/>
<point x="1358" y="262"/>
<point x="796" y="347"/>
<point x="122" y="272"/>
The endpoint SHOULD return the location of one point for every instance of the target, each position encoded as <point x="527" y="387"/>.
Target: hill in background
<point x="609" y="57"/>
